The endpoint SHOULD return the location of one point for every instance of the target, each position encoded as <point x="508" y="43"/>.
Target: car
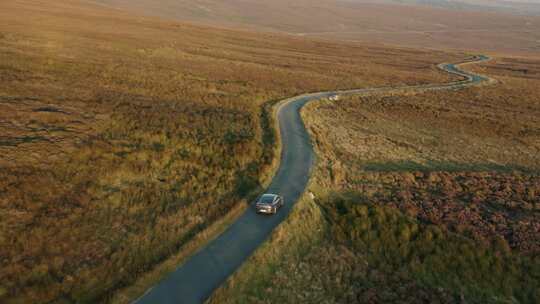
<point x="333" y="97"/>
<point x="269" y="203"/>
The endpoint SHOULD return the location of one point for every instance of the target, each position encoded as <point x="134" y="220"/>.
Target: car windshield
<point x="267" y="199"/>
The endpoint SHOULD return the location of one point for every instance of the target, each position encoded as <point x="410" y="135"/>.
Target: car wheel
<point x="275" y="210"/>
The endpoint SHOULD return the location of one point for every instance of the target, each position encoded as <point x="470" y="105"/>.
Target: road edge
<point x="460" y="84"/>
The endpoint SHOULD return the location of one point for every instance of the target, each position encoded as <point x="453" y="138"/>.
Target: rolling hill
<point x="126" y="141"/>
<point x="478" y="25"/>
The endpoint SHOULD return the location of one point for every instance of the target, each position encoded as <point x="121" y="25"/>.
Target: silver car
<point x="269" y="203"/>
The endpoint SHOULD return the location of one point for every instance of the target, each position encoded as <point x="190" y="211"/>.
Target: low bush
<point x="432" y="255"/>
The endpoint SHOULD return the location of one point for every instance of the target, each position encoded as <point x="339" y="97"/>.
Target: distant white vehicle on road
<point x="333" y="98"/>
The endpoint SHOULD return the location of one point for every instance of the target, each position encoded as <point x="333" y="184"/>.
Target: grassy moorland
<point x="394" y="22"/>
<point x="122" y="138"/>
<point x="429" y="197"/>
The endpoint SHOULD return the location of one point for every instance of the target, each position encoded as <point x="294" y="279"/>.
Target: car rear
<point x="265" y="208"/>
<point x="267" y="203"/>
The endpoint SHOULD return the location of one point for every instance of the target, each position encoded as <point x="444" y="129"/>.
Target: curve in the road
<point x="194" y="281"/>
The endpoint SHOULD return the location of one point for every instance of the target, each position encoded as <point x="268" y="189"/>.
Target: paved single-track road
<point x="194" y="281"/>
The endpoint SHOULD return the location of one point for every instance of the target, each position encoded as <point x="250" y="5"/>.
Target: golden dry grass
<point x="427" y="197"/>
<point x="434" y="154"/>
<point x="491" y="126"/>
<point x="123" y="137"/>
<point x="386" y="22"/>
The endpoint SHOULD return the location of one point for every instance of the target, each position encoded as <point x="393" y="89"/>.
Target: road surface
<point x="200" y="275"/>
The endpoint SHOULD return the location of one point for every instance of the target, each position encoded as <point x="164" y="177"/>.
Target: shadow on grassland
<point x="430" y="166"/>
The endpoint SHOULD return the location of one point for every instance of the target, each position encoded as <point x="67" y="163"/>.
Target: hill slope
<point x="419" y="197"/>
<point x="369" y="21"/>
<point x="122" y="138"/>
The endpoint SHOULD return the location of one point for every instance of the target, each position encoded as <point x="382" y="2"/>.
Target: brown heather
<point x="123" y="137"/>
<point x="425" y="197"/>
<point x="468" y="160"/>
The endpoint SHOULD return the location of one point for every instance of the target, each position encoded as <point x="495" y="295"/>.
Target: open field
<point x="430" y="197"/>
<point x="368" y="21"/>
<point x="122" y="137"/>
<point x="342" y="249"/>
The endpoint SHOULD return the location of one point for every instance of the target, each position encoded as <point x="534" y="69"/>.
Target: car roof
<point x="269" y="195"/>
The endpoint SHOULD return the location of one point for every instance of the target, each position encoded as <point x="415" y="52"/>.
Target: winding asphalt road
<point x="194" y="281"/>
